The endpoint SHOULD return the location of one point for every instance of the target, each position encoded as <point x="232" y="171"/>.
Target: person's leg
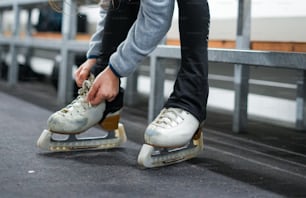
<point x="191" y="86"/>
<point x="179" y="123"/>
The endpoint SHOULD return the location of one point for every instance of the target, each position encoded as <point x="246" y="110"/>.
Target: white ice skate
<point x="174" y="136"/>
<point x="78" y="117"/>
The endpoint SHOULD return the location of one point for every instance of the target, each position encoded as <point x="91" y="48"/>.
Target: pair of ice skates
<point x="174" y="136"/>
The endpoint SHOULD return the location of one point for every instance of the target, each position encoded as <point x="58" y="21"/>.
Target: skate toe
<point x="151" y="134"/>
<point x="62" y="125"/>
<point x="157" y="139"/>
<point x="166" y="138"/>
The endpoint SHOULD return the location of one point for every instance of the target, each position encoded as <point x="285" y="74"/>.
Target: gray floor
<point x="267" y="161"/>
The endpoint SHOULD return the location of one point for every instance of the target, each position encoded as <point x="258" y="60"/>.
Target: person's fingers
<point x="78" y="79"/>
<point x="81" y="75"/>
<point x="96" y="95"/>
<point x="92" y="94"/>
<point x="105" y="87"/>
<point x="84" y="74"/>
<point x="111" y="98"/>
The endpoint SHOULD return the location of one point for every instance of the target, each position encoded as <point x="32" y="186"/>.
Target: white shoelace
<point x="80" y="103"/>
<point x="169" y="118"/>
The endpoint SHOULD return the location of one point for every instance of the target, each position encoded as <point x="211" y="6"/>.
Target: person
<point x="131" y="30"/>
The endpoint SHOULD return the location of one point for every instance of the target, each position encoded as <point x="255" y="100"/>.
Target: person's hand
<point x="83" y="71"/>
<point x="105" y="87"/>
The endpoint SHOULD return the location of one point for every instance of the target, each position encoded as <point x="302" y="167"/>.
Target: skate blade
<point x="148" y="159"/>
<point x="46" y="142"/>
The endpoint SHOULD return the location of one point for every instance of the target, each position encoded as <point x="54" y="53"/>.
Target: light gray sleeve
<point x="152" y="24"/>
<point x="96" y="39"/>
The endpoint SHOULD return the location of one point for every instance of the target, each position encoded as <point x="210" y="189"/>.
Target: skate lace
<point x="169" y="118"/>
<point x="80" y="103"/>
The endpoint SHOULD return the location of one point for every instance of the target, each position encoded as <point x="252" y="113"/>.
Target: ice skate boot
<point x="79" y="116"/>
<point x="174" y="136"/>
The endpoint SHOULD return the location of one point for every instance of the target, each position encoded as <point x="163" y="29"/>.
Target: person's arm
<point x="93" y="52"/>
<point x="153" y="22"/>
<point x="96" y="38"/>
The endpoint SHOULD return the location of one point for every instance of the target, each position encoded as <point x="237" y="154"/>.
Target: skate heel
<point x="198" y="134"/>
<point x="110" y="123"/>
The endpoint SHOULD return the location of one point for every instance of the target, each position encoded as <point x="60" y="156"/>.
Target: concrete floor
<point x="266" y="161"/>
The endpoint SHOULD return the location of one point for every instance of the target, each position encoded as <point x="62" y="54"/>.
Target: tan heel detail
<point x="197" y="135"/>
<point x="110" y="123"/>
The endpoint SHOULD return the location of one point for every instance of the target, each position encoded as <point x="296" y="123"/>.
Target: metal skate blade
<point x="113" y="139"/>
<point x="151" y="157"/>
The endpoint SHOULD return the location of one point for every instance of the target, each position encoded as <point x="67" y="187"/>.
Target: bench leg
<point x="300" y="102"/>
<point x="240" y="117"/>
<point x="157" y="76"/>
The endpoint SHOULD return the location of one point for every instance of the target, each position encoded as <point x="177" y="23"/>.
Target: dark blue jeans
<point x="191" y="86"/>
